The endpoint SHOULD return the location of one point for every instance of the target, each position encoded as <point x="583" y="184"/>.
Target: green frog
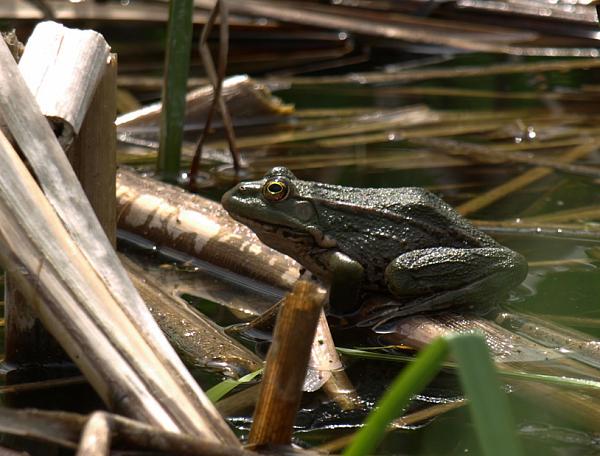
<point x="403" y="242"/>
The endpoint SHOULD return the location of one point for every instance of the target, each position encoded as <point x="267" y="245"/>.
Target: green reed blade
<point x="177" y="63"/>
<point x="412" y="380"/>
<point x="217" y="392"/>
<point x="488" y="404"/>
<point x="562" y="381"/>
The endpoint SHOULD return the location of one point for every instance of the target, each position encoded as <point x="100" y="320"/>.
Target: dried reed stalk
<point x="245" y="97"/>
<point x="528" y="177"/>
<point x="287" y="360"/>
<point x="479" y="151"/>
<point x="95" y="436"/>
<point x="199" y="342"/>
<point x="189" y="223"/>
<point x="93" y="155"/>
<point x="216" y="77"/>
<point x="65" y="428"/>
<point x="62" y="67"/>
<point x="423" y="74"/>
<point x="94" y="311"/>
<point x="328" y="17"/>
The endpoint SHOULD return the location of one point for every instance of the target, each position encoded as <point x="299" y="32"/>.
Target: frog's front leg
<point x="442" y="276"/>
<point x="346" y="283"/>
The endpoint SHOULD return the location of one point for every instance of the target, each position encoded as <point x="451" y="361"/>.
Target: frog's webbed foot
<point x="346" y="284"/>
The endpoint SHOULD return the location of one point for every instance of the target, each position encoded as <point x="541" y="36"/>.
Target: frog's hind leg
<point x="441" y="277"/>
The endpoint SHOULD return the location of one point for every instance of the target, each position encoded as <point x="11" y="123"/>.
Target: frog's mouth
<point x="276" y="236"/>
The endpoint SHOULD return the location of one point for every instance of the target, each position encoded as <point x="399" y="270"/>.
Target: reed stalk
<point x="177" y="62"/>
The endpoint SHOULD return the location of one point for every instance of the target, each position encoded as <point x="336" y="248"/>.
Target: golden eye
<point x="275" y="190"/>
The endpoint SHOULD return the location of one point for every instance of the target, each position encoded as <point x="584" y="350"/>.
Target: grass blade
<point x="412" y="380"/>
<point x="488" y="404"/>
<point x="217" y="392"/>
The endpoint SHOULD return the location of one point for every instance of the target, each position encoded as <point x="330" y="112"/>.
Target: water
<point x="564" y="276"/>
<point x="563" y="279"/>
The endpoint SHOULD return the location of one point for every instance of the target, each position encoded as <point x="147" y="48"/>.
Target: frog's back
<point x="367" y="198"/>
<point x="413" y="214"/>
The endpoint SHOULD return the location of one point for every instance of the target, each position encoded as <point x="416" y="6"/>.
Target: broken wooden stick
<point x="287" y="360"/>
<point x="62" y="68"/>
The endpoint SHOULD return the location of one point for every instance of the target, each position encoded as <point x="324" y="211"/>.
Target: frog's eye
<point x="276" y="190"/>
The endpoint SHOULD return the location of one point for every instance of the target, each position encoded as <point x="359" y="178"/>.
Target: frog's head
<point x="279" y="210"/>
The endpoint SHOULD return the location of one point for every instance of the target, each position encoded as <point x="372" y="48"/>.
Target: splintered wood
<point x="62" y="68"/>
